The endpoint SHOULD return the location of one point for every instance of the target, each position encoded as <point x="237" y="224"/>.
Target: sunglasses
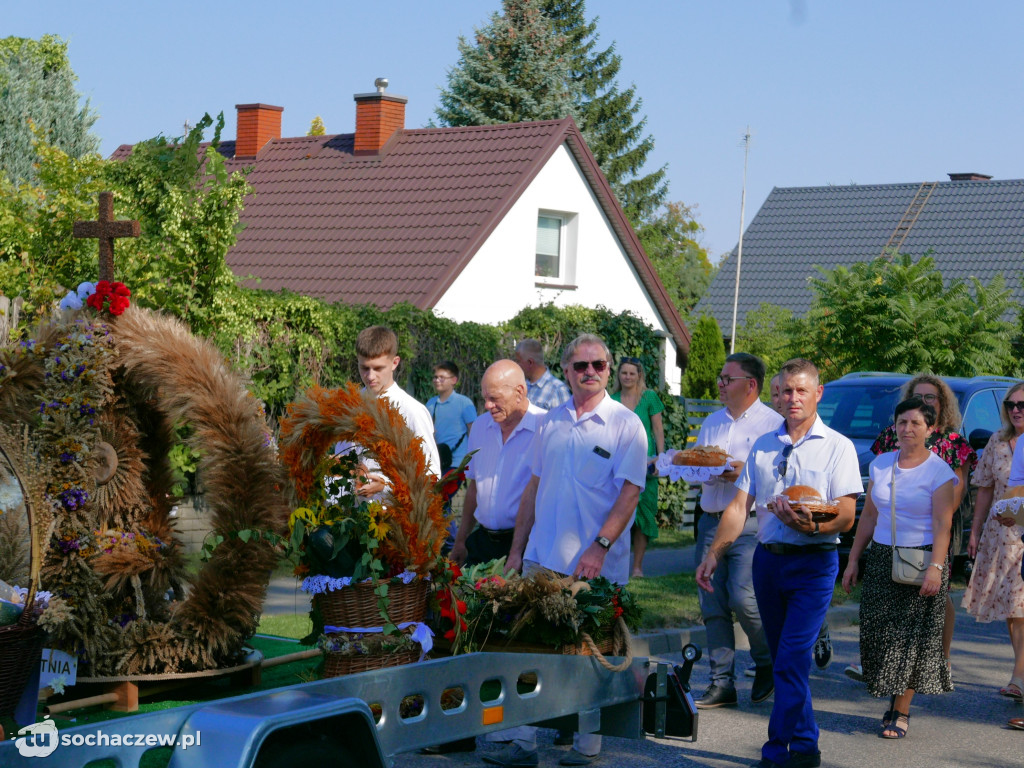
<point x="784" y="464"/>
<point x="580" y="366"/>
<point x="1014" y="405"/>
<point x="631" y="360"/>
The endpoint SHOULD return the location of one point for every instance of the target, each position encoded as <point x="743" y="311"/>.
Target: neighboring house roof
<point x="971" y="228"/>
<point x="402" y="224"/>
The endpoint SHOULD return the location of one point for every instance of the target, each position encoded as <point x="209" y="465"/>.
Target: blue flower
<point x="85" y="290"/>
<point x="71" y="301"/>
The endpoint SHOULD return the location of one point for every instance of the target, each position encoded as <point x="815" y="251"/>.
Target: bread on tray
<point x="701" y="456"/>
<point x="812" y="501"/>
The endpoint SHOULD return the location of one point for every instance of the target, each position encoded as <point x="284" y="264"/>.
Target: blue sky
<point x="866" y="92"/>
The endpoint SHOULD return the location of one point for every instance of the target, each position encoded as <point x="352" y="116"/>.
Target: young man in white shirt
<point x="377" y="354"/>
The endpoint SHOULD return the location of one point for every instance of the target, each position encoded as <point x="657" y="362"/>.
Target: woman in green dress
<point x="631" y="390"/>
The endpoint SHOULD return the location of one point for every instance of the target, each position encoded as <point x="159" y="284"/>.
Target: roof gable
<point x="971" y="229"/>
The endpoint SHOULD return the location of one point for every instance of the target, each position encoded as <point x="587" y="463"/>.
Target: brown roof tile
<point x="401" y="225"/>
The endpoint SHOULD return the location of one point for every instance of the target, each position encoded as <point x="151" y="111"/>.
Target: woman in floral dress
<point x="996" y="591"/>
<point x="946" y="442"/>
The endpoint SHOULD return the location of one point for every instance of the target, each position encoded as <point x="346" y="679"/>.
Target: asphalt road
<point x="964" y="728"/>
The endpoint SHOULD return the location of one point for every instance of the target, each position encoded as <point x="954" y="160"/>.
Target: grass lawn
<point x="668" y="601"/>
<point x="672" y="538"/>
<point x="294" y="625"/>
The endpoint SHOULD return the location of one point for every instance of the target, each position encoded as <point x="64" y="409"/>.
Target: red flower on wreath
<point x="110" y="296"/>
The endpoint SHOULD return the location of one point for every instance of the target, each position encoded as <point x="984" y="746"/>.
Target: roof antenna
<point x="739" y="248"/>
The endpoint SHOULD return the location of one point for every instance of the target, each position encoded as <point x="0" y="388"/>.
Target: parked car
<point x="861" y="405"/>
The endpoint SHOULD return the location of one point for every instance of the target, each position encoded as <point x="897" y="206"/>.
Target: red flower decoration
<point x="112" y="296"/>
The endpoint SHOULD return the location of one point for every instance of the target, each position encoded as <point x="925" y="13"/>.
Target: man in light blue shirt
<point x="796" y="563"/>
<point x="733" y="429"/>
<point x="453" y="415"/>
<point x="543" y="389"/>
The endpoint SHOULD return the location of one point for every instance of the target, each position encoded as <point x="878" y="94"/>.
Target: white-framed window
<point x="556" y="248"/>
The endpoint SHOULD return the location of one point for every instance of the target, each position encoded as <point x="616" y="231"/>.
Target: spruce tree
<point x="513" y="73"/>
<point x="607" y="116"/>
<point x="37" y="93"/>
<point x="707" y="356"/>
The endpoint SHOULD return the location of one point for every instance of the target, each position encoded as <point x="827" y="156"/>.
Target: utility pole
<point x="739" y="247"/>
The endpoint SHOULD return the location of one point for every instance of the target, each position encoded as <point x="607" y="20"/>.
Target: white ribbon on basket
<point x="423" y="634"/>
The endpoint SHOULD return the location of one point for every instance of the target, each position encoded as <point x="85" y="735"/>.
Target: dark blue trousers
<point x="793" y="594"/>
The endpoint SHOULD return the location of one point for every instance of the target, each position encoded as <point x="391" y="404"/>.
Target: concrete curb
<point x="664" y="642"/>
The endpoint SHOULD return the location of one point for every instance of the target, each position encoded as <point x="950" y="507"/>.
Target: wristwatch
<point x="941" y="568"/>
<point x="603" y="542"/>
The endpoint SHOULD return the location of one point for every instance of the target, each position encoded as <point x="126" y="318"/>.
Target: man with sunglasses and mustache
<point x="589" y="465"/>
<point x="796" y="562"/>
<point x="733" y="429"/>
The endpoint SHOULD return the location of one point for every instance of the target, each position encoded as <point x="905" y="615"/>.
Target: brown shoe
<point x="1016" y="723"/>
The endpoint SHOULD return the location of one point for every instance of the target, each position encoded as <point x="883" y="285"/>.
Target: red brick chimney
<point x="257" y="124"/>
<point x="378" y="116"/>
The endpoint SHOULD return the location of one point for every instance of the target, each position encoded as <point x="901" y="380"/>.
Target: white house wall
<point x="499" y="281"/>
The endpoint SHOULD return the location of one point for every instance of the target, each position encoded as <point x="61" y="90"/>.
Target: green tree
<point x="707" y="356"/>
<point x="37" y="90"/>
<point x="188" y="205"/>
<point x="671" y="240"/>
<point x="316" y="128"/>
<point x="898" y="315"/>
<point x="608" y="117"/>
<point x="773" y="334"/>
<point x="513" y="73"/>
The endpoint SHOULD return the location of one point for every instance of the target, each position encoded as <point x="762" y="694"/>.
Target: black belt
<point x="500" y="534"/>
<point x="797" y="549"/>
<point x="751" y="513"/>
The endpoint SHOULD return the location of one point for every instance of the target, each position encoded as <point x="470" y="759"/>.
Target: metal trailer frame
<point x="573" y="692"/>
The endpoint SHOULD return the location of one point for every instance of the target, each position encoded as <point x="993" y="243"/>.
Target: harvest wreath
<point x="99" y="390"/>
<point x="368" y="563"/>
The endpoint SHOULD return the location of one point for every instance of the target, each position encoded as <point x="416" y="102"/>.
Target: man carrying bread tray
<point x="730" y="433"/>
<point x="795" y="562"/>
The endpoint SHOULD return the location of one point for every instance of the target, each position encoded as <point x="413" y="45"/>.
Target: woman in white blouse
<point x="900" y="624"/>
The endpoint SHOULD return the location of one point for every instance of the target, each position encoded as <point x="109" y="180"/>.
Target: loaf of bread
<point x="812" y="501"/>
<point x="701" y="456"/>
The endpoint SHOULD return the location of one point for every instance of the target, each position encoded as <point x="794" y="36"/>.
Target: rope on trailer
<point x="623" y="644"/>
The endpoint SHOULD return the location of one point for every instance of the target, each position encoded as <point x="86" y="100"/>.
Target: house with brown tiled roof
<point x="474" y="223"/>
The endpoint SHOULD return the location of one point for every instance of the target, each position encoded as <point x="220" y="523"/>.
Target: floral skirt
<point x="996" y="591"/>
<point x="900" y="631"/>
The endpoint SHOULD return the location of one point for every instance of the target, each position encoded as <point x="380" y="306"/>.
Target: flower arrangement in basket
<point x="544" y="612"/>
<point x="369" y="563"/>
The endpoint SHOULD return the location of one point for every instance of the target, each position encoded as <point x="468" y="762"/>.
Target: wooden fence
<point x="696" y="412"/>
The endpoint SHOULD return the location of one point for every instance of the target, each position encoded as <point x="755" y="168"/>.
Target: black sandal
<point x="887" y="716"/>
<point x="900" y="731"/>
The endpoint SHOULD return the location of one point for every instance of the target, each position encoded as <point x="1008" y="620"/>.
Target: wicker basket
<point x="356" y="605"/>
<point x="606" y="647"/>
<point x="337" y="664"/>
<point x="21" y="644"/>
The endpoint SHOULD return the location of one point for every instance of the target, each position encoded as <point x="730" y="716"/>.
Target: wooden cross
<point x="105" y="230"/>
